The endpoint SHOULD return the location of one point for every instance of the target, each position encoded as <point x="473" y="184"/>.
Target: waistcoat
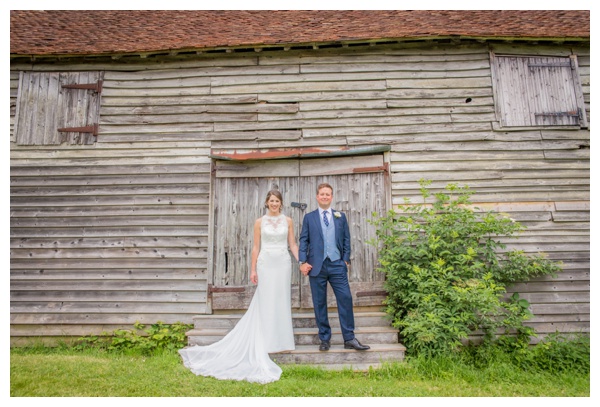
<point x="330" y="249"/>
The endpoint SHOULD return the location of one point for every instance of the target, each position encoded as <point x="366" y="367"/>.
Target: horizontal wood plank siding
<point x="107" y="234"/>
<point x="104" y="236"/>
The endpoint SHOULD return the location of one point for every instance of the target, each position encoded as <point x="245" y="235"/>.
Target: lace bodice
<point x="274" y="232"/>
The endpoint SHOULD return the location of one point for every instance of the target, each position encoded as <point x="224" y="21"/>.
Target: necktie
<point x="325" y="220"/>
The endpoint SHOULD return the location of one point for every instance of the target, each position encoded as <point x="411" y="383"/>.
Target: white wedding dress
<point x="243" y="354"/>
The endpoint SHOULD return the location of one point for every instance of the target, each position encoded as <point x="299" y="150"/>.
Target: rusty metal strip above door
<point x="308" y="152"/>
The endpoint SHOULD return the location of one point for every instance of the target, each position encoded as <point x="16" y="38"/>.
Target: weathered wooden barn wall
<point x="107" y="234"/>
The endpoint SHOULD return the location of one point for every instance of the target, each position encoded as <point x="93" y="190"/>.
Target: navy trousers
<point x="336" y="274"/>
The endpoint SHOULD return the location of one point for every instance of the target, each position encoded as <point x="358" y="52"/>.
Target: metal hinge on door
<point x="571" y="113"/>
<point x="96" y="87"/>
<point x="215" y="289"/>
<point x="93" y="129"/>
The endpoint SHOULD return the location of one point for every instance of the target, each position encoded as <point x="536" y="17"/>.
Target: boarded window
<point x="57" y="107"/>
<point x="538" y="91"/>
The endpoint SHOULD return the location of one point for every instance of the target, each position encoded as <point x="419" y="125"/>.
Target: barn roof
<point x="102" y="32"/>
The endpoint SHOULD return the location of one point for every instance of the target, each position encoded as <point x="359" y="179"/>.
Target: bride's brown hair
<point x="276" y="194"/>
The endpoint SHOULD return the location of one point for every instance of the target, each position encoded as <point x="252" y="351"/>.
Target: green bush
<point x="447" y="272"/>
<point x="555" y="354"/>
<point x="559" y="352"/>
<point x="157" y="337"/>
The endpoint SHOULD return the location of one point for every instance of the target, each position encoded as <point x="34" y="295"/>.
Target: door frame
<point x="367" y="294"/>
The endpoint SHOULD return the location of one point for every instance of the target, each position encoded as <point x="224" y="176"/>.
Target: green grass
<point x="44" y="372"/>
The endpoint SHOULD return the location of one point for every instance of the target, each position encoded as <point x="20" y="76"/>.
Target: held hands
<point x="305" y="268"/>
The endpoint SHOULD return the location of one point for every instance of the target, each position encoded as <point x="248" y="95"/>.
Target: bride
<point x="243" y="354"/>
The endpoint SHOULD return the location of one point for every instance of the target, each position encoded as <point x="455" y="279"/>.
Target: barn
<point x="142" y="145"/>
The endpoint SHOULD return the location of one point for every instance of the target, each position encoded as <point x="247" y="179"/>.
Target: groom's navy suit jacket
<point x="312" y="244"/>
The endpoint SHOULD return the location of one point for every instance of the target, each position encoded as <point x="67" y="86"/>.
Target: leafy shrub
<point x="445" y="275"/>
<point x="556" y="353"/>
<point x="559" y="353"/>
<point x="157" y="337"/>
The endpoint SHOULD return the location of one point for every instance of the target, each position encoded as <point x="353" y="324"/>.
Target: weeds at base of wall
<point x="158" y="337"/>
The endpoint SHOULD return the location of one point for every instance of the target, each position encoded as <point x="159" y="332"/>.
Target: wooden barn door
<point x="358" y="194"/>
<point x="240" y="188"/>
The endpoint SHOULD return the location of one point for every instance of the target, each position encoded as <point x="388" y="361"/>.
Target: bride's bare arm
<point x="255" y="251"/>
<point x="292" y="239"/>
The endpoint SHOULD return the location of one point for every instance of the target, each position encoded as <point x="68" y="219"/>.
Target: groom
<point x="324" y="256"/>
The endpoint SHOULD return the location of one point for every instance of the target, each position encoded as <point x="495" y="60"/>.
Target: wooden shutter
<point x="55" y="107"/>
<point x="538" y="91"/>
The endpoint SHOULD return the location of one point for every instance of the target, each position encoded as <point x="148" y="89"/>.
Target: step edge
<point x="311" y="330"/>
<point x="294" y="315"/>
<point x="377" y="347"/>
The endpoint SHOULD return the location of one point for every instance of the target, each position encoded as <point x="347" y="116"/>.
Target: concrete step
<point x="300" y="320"/>
<point x="372" y="328"/>
<point x="339" y="358"/>
<point x="368" y="334"/>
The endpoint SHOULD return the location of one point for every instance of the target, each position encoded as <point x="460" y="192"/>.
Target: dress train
<point x="266" y="327"/>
